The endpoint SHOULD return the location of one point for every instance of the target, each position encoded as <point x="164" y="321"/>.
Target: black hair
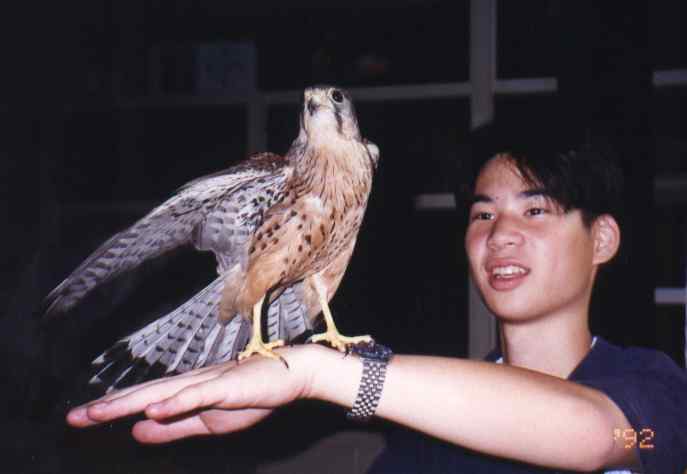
<point x="583" y="177"/>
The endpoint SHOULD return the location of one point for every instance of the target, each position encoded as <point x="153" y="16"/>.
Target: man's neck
<point x="544" y="346"/>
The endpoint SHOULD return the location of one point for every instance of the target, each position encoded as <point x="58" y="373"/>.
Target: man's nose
<point x="504" y="233"/>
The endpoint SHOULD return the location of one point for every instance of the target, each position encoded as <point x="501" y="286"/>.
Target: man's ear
<point x="606" y="234"/>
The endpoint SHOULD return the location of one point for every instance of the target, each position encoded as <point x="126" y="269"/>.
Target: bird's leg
<point x="332" y="334"/>
<point x="256" y="345"/>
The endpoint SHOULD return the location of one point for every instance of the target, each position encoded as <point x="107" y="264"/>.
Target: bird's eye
<point x="337" y="96"/>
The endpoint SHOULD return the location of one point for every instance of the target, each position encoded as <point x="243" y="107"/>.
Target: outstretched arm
<point x="499" y="410"/>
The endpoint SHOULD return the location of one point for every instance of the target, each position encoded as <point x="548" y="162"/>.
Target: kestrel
<point x="281" y="229"/>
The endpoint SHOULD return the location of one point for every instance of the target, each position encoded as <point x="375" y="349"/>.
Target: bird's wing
<point x="199" y="213"/>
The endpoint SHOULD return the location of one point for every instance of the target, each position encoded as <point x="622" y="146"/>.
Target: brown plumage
<point x="309" y="236"/>
<point x="280" y="227"/>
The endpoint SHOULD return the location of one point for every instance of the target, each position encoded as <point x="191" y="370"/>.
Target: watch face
<point x="372" y="350"/>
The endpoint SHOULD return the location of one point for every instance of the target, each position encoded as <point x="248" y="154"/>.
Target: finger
<point x="205" y="394"/>
<point x="186" y="378"/>
<point x="78" y="418"/>
<point x="165" y="385"/>
<point x="133" y="400"/>
<point x="204" y="423"/>
<point x="153" y="431"/>
<point x="225" y="421"/>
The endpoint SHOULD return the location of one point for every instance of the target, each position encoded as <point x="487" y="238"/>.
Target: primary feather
<point x="218" y="213"/>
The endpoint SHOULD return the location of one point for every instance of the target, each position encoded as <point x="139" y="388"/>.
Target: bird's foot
<point x="338" y="341"/>
<point x="256" y="346"/>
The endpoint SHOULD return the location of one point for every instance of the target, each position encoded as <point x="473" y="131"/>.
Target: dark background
<point x="84" y="155"/>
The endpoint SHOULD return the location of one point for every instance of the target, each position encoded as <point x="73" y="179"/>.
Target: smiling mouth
<point x="506" y="277"/>
<point x="508" y="271"/>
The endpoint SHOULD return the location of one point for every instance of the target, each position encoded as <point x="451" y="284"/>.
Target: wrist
<point x="333" y="376"/>
<point x="310" y="362"/>
<point x="375" y="358"/>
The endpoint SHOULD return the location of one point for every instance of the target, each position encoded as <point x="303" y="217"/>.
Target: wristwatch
<point x="375" y="358"/>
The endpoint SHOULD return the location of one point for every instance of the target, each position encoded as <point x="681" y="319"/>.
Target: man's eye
<point x="481" y="216"/>
<point x="535" y="211"/>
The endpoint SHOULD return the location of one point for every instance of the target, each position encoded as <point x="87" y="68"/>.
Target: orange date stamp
<point x="644" y="438"/>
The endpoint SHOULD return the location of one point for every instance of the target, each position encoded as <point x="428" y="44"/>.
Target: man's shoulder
<point x="651" y="390"/>
<point x="607" y="359"/>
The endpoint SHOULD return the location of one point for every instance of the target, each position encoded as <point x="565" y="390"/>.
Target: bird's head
<point x="328" y="111"/>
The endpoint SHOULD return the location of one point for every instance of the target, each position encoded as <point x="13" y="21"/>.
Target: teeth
<point x="508" y="270"/>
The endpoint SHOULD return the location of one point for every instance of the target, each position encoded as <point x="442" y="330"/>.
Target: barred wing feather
<point x="217" y="213"/>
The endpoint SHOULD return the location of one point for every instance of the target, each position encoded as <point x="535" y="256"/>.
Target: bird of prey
<point x="282" y="229"/>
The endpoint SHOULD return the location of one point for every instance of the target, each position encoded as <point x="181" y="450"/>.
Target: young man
<point x="557" y="399"/>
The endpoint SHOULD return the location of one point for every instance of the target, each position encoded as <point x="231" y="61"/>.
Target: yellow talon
<point x="337" y="341"/>
<point x="256" y="346"/>
<point x="332" y="334"/>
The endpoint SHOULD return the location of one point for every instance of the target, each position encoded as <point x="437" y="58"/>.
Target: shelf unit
<point x="481" y="89"/>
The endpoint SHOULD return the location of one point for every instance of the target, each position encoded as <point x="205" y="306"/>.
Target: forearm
<point x="494" y="409"/>
<point x="499" y="410"/>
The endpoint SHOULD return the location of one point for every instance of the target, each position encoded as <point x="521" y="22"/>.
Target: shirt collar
<point x="500" y="359"/>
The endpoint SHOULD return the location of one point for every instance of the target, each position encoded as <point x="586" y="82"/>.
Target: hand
<point x="211" y="400"/>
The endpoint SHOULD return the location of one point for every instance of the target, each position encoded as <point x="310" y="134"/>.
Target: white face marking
<point x="328" y="113"/>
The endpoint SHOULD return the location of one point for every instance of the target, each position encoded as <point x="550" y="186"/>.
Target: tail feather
<point x="111" y="364"/>
<point x="231" y="339"/>
<point x="172" y="344"/>
<point x="210" y="341"/>
<point x="138" y="372"/>
<point x="192" y="336"/>
<point x="287" y="316"/>
<point x="119" y="369"/>
<point x="179" y="329"/>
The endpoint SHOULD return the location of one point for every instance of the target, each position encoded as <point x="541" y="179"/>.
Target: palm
<point x="206" y="422"/>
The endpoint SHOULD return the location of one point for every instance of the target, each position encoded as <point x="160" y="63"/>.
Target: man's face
<point x="528" y="257"/>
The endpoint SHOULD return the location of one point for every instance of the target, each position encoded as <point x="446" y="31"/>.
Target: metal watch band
<point x="375" y="358"/>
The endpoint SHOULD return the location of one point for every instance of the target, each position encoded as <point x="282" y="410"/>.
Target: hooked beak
<point x="312" y="106"/>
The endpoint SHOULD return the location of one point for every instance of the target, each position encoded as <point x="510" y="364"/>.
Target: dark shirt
<point x="647" y="385"/>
